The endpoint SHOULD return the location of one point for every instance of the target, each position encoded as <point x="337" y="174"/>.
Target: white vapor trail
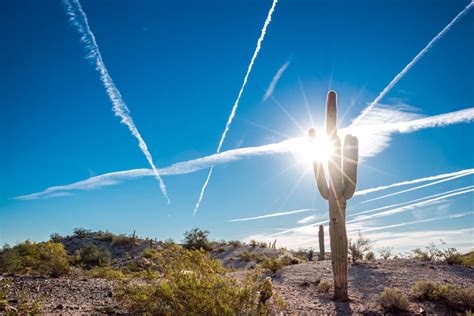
<point x="271" y="215"/>
<point x="421" y="186"/>
<point x="366" y="134"/>
<point x="409" y="207"/>
<point x="414" y="181"/>
<point x="412" y="63"/>
<point x="394" y="208"/>
<point x="78" y="18"/>
<point x="275" y="80"/>
<point x="458" y="215"/>
<point x="236" y="103"/>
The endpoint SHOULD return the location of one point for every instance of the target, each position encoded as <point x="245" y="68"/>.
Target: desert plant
<point x="194" y="284"/>
<point x="92" y="256"/>
<point x="460" y="299"/>
<point x="81" y="232"/>
<point x="46" y="258"/>
<point x="263" y="245"/>
<point x="358" y="248"/>
<point x="370" y="256"/>
<point x="55" y="237"/>
<point x="123" y="240"/>
<point x="385" y="252"/>
<point x="235" y="243"/>
<point x="342" y="167"/>
<point x="468" y="259"/>
<point x="273" y="265"/>
<point x="394" y="300"/>
<point x="107" y="273"/>
<point x="197" y="239"/>
<point x="324" y="286"/>
<point x="310" y="254"/>
<point x="321" y="242"/>
<point x="253" y="243"/>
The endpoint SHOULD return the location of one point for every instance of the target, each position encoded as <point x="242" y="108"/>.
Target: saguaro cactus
<point x="337" y="189"/>
<point x="321" y="242"/>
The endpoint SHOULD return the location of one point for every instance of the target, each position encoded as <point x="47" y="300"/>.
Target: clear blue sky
<point x="179" y="66"/>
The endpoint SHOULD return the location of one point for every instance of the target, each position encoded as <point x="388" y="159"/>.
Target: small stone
<point x="60" y="306"/>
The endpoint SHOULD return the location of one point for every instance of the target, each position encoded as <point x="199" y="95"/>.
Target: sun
<point x="317" y="149"/>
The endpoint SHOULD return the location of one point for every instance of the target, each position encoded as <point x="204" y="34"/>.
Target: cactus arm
<point x="331" y="114"/>
<point x="321" y="180"/>
<point x="350" y="161"/>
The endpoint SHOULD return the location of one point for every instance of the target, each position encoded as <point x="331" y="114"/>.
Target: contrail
<point x="458" y="215"/>
<point x="236" y="103"/>
<point x="412" y="63"/>
<point x="414" y="181"/>
<point x="275" y="80"/>
<point x="271" y="215"/>
<point x="78" y="18"/>
<point x="292" y="145"/>
<point x="392" y="208"/>
<point x="408" y="207"/>
<point x="420" y="186"/>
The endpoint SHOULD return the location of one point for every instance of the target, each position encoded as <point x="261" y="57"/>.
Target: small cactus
<point x="342" y="168"/>
<point x="321" y="242"/>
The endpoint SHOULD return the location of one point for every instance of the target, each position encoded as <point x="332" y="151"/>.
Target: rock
<point x="59" y="306"/>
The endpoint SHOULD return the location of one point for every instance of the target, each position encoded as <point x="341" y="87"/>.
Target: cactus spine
<point x="321" y="242"/>
<point x="337" y="189"/>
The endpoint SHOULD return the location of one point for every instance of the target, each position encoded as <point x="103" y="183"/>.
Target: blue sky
<point x="179" y="66"/>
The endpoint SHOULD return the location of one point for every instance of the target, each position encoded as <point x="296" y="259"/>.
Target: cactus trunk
<point x="338" y="187"/>
<point x="321" y="242"/>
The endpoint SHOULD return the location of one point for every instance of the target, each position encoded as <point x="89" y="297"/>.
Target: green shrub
<point x="468" y="259"/>
<point x="46" y="258"/>
<point x="394" y="300"/>
<point x="324" y="286"/>
<point x="194" y="284"/>
<point x="55" y="237"/>
<point x="358" y="248"/>
<point x="197" y="239"/>
<point x="105" y="236"/>
<point x="234" y="243"/>
<point x="92" y="256"/>
<point x="273" y="265"/>
<point x="123" y="241"/>
<point x="460" y="299"/>
<point x="253" y="243"/>
<point x="106" y="273"/>
<point x="149" y="253"/>
<point x="81" y="232"/>
<point x="220" y="250"/>
<point x="370" y="256"/>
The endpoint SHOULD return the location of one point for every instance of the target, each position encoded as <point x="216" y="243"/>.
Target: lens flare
<point x="318" y="149"/>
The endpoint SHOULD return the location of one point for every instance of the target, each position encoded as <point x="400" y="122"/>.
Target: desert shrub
<point x="393" y="300"/>
<point x="123" y="240"/>
<point x="235" y="243"/>
<point x="55" y="237"/>
<point x="460" y="299"/>
<point x="194" y="284"/>
<point x="81" y="232"/>
<point x="370" y="256"/>
<point x="105" y="236"/>
<point x="468" y="259"/>
<point x="197" y="239"/>
<point x="444" y="253"/>
<point x="385" y="252"/>
<point x="263" y="244"/>
<point x="248" y="256"/>
<point x="253" y="243"/>
<point x="358" y="248"/>
<point x="92" y="256"/>
<point x="324" y="286"/>
<point x="220" y="250"/>
<point x="106" y="273"/>
<point x="46" y="258"/>
<point x="273" y="265"/>
<point x="150" y="253"/>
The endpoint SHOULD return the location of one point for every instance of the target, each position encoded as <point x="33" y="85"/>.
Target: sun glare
<point x="318" y="149"/>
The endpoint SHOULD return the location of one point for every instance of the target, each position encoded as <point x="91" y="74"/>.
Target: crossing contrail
<point x="271" y="215"/>
<point x="456" y="174"/>
<point x="291" y="145"/>
<point x="412" y="63"/>
<point x="78" y="18"/>
<point x="420" y="186"/>
<point x="236" y="103"/>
